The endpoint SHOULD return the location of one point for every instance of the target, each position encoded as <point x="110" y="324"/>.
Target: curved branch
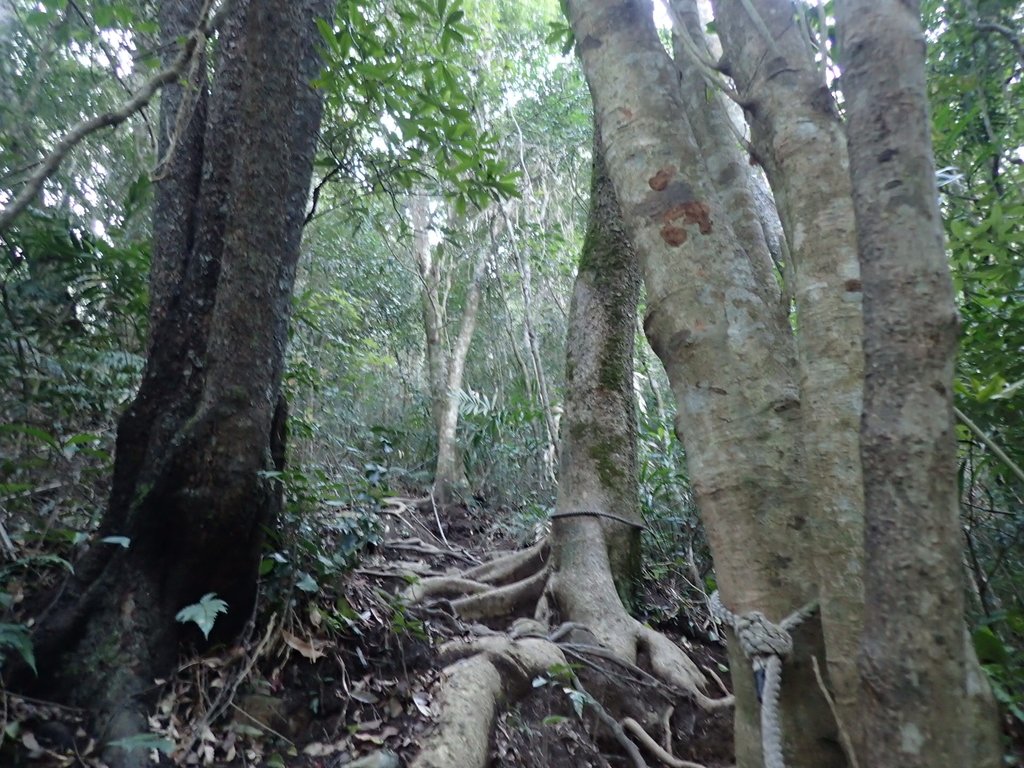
<point x="110" y="119"/>
<point x="1011" y="37"/>
<point x="991" y="444"/>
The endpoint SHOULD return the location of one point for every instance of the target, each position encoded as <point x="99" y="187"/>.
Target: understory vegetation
<point x="475" y="114"/>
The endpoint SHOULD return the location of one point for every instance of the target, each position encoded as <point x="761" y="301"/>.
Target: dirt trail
<point x="345" y="675"/>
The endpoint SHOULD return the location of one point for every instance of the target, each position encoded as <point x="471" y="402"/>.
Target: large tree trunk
<point x="728" y="351"/>
<point x="797" y="137"/>
<point x="188" y="488"/>
<point x="914" y="705"/>
<point x="598" y="467"/>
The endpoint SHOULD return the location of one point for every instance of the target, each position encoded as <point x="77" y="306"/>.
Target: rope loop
<point x="759" y="637"/>
<point x="767" y="645"/>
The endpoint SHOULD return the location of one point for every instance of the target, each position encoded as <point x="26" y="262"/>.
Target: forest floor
<point x="342" y="675"/>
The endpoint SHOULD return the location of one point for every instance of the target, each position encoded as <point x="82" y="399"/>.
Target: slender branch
<point x="991" y="444"/>
<point x="1012" y="38"/>
<point x="110" y="119"/>
<point x="612" y="724"/>
<point x="844" y="736"/>
<point x="762" y="28"/>
<point x="706" y="67"/>
<point x="317" y="190"/>
<point x="654" y="747"/>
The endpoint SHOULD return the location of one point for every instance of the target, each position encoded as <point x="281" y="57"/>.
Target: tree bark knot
<point x="766" y="644"/>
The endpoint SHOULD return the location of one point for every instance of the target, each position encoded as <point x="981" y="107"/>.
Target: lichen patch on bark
<point x="691" y="212"/>
<point x="674" y="236"/>
<point x="660" y="180"/>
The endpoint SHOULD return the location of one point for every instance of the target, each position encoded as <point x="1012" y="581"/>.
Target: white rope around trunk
<point x="767" y="645"/>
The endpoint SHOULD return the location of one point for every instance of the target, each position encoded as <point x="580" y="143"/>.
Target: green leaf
<point x="17" y="636"/>
<point x="32" y="431"/>
<point x="103" y="16"/>
<point x="204" y="613"/>
<point x="121" y="541"/>
<point x="989" y="647"/>
<point x="553" y="720"/>
<point x="307" y="583"/>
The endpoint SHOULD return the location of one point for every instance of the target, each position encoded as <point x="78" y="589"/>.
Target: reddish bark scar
<point x="661" y="179"/>
<point x="674" y="236"/>
<point x="692" y="212"/>
<point x="852" y="285"/>
<point x="626" y="113"/>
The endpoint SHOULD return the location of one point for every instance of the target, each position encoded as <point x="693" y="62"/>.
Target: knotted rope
<point x="766" y="645"/>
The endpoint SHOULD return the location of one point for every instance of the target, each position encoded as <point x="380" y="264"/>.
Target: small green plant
<point x="204" y="613"/>
<point x="564" y="676"/>
<point x="323" y="529"/>
<point x="404" y="624"/>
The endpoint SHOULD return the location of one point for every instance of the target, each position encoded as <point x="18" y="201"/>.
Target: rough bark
<point x="180" y="148"/>
<point x="728" y="353"/>
<point x="796" y="135"/>
<point x="913" y="661"/>
<point x="188" y="490"/>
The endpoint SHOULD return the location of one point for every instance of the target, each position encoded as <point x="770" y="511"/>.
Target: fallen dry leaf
<point x="312" y="649"/>
<point x="422" y="702"/>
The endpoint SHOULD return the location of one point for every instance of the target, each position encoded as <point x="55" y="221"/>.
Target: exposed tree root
<point x="615" y="653"/>
<point x="492" y="670"/>
<point x="654" y="747"/>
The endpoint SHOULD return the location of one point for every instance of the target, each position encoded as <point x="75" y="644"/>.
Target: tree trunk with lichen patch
<point x="728" y="351"/>
<point x="190" y="491"/>
<point x="918" y="700"/>
<point x="797" y="136"/>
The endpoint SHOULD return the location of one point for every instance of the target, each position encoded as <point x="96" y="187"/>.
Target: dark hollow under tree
<point x="190" y="488"/>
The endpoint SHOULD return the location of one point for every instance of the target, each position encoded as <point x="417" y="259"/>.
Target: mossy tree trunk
<point x="598" y="458"/>
<point x="189" y="490"/>
<point x="583" y="577"/>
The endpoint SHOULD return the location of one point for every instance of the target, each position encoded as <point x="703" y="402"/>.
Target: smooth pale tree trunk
<point x="445" y="368"/>
<point x="450" y="473"/>
<point x="728" y="352"/>
<point x="189" y="488"/>
<point x="797" y="137"/>
<point x="914" y="703"/>
<point x="431" y="306"/>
